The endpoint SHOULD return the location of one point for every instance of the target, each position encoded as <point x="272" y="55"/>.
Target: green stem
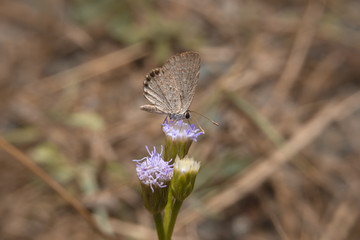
<point x="168" y="208"/>
<point x="159" y="226"/>
<point x="175" y="212"/>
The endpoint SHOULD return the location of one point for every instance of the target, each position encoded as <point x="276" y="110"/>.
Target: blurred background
<point x="280" y="77"/>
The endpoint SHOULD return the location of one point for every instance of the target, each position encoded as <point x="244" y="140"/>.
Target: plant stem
<point x="175" y="212"/>
<point x="168" y="208"/>
<point x="159" y="226"/>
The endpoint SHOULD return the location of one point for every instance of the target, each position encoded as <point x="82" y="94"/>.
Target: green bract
<point x="155" y="199"/>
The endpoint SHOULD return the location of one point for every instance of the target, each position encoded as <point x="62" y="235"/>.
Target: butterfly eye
<point x="187" y="115"/>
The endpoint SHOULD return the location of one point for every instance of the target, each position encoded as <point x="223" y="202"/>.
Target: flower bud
<point x="183" y="181"/>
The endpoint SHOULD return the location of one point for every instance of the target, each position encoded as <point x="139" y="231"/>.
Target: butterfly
<point x="171" y="88"/>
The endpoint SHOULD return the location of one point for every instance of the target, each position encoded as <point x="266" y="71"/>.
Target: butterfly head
<point x="180" y="116"/>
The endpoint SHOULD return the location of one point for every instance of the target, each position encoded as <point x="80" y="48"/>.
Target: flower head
<point x="179" y="137"/>
<point x="153" y="171"/>
<point x="179" y="130"/>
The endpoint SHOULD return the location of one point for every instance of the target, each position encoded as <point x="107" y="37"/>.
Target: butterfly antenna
<point x="213" y="122"/>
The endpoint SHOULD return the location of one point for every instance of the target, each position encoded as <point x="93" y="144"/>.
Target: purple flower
<point x="153" y="170"/>
<point x="181" y="130"/>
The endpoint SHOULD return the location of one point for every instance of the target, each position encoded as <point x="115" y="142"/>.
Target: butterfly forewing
<point x="185" y="68"/>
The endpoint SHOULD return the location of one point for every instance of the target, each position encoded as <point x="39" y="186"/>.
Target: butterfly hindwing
<point x="161" y="91"/>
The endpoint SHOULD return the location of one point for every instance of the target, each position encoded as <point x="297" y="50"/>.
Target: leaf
<point x="87" y="120"/>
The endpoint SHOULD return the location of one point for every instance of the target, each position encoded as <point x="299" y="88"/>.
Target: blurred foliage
<point x="22" y="135"/>
<point x="87" y="120"/>
<point x="227" y="165"/>
<point x="117" y="172"/>
<point x="139" y="21"/>
<point x="54" y="162"/>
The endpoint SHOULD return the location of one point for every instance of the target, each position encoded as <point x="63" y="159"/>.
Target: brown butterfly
<point x="171" y="88"/>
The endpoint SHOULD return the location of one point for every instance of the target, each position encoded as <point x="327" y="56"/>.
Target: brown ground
<point x="281" y="79"/>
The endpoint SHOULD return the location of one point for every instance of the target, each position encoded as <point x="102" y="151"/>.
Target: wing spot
<point x="157" y="71"/>
<point x="152" y="74"/>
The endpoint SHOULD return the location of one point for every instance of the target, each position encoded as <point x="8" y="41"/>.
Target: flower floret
<point x="153" y="170"/>
<point x="181" y="130"/>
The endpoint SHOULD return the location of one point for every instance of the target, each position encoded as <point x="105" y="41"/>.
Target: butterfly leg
<point x="202" y="130"/>
<point x="165" y="120"/>
<point x="150" y="108"/>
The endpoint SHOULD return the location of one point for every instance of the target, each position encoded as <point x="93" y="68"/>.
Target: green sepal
<point x="155" y="201"/>
<point x="178" y="147"/>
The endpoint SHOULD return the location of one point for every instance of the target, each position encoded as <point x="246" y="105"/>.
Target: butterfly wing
<point x="161" y="89"/>
<point x="185" y="68"/>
